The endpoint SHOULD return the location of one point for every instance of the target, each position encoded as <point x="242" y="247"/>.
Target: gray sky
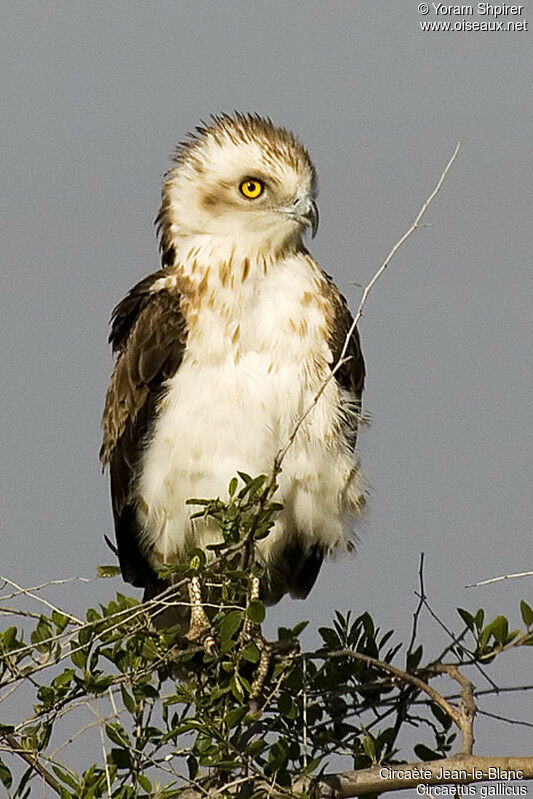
<point x="95" y="95"/>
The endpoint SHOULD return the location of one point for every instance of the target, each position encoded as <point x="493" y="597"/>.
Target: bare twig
<point x="29" y="593"/>
<point x="514" y="722"/>
<point x="342" y="359"/>
<point x="100" y="721"/>
<point x="455" y="640"/>
<point x="46" y="585"/>
<point x="498" y="579"/>
<point x="421" y="600"/>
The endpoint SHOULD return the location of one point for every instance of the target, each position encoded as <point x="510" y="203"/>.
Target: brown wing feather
<point x="296" y="569"/>
<point x="149" y="333"/>
<point x="351" y="375"/>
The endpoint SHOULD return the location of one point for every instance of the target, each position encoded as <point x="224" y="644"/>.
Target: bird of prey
<point x="221" y="351"/>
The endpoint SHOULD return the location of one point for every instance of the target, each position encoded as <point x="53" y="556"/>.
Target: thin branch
<point x="498" y="579"/>
<point x="29" y="593"/>
<point x="100" y="721"/>
<point x="46" y="585"/>
<point x="468" y="708"/>
<point x="515" y="722"/>
<point x="342" y="359"/>
<point x="16" y="612"/>
<point x="32" y="759"/>
<point x="421" y="600"/>
<point x="405" y="676"/>
<point x="456" y="640"/>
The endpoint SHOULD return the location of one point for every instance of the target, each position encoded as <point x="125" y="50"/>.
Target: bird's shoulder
<point x="345" y="344"/>
<point x="148" y="333"/>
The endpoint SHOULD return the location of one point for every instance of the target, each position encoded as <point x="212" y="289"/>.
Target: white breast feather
<point x="254" y="360"/>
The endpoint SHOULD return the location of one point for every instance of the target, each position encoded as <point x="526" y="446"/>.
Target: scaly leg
<point x="252" y="631"/>
<point x="265" y="650"/>
<point x="200" y="627"/>
<point x="249" y="628"/>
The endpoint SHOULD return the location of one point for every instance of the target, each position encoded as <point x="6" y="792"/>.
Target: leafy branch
<point x="176" y="721"/>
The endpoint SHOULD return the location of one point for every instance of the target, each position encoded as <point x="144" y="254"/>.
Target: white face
<point x="242" y="192"/>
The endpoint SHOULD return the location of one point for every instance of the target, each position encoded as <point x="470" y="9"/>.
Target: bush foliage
<point x="248" y="717"/>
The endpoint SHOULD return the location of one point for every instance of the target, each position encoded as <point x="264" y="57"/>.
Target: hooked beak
<point x="304" y="210"/>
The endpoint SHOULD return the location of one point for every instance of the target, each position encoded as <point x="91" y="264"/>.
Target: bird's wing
<point x="297" y="568"/>
<point x="148" y="332"/>
<point x="351" y="375"/>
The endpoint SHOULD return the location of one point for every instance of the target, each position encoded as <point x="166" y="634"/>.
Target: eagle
<point x="221" y="352"/>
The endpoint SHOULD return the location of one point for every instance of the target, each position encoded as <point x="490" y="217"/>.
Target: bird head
<point x="239" y="183"/>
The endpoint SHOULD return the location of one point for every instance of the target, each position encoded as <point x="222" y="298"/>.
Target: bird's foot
<point x="265" y="654"/>
<point x="202" y="633"/>
<point x="200" y="630"/>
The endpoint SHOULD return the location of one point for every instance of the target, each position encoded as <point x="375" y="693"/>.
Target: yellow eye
<point x="251" y="188"/>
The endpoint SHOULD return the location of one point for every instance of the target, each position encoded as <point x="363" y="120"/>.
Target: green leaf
<point x="424" y="753"/>
<point x="10" y="639"/>
<point x="369" y="745"/>
<point x="255" y="748"/>
<point x="286" y="706"/>
<point x="251" y="652"/>
<point x="278" y="755"/>
<point x="299" y="628"/>
<point x="414" y="658"/>
<point x="230" y="624"/>
<point x="120" y="758"/>
<point x="107" y="571"/>
<point x="261" y="533"/>
<point x="65" y="777"/>
<point x="79" y="658"/>
<point x="42" y="632"/>
<point x="330" y="638"/>
<point x="197" y="559"/>
<point x="192" y="765"/>
<point x="312" y="765"/>
<point x="480" y="615"/>
<point x="237" y="688"/>
<point x="441" y="716"/>
<point x="150" y="650"/>
<point x="500" y="629"/>
<point x="60" y="620"/>
<point x="233" y="485"/>
<point x="117" y="734"/>
<point x="256" y="611"/>
<point x="254" y="486"/>
<point x="467" y="618"/>
<point x="145" y="783"/>
<point x="235" y="716"/>
<point x="92" y="615"/>
<point x="5" y="775"/>
<point x="527" y="613"/>
<point x="129" y="702"/>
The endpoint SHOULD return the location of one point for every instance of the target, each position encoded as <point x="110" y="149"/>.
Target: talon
<point x="203" y="636"/>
